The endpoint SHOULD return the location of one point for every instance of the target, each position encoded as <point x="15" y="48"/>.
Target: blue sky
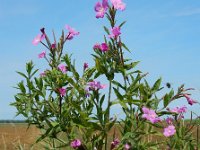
<point x="163" y="35"/>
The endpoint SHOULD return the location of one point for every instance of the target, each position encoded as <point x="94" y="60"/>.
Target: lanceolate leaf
<point x="156" y="85"/>
<point x="119" y="96"/>
<point x="106" y="30"/>
<point x="122" y="24"/>
<point x="124" y="46"/>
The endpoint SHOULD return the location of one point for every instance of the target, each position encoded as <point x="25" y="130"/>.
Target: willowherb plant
<point x="68" y="105"/>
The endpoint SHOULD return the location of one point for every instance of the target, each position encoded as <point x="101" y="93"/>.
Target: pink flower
<point x="72" y="32"/>
<point x="53" y="46"/>
<point x="169" y="131"/>
<point x="115" y="32"/>
<point x="42" y="74"/>
<point x="114" y="143"/>
<point x="42" y="54"/>
<point x="62" y="91"/>
<point x="62" y="68"/>
<point x="97" y="46"/>
<point x="189" y="99"/>
<point x="179" y="110"/>
<point x="38" y="39"/>
<point x="101" y="8"/>
<point x="85" y="66"/>
<point x="150" y="115"/>
<point x="76" y="143"/>
<point x="94" y="85"/>
<point x="127" y="146"/>
<point x="118" y="4"/>
<point x="169" y="120"/>
<point x="104" y="47"/>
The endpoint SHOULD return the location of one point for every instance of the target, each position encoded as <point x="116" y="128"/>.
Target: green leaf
<point x="156" y="85"/>
<point x="44" y="135"/>
<point x="106" y="30"/>
<point x="117" y="93"/>
<point x="29" y="67"/>
<point x="125" y="47"/>
<point x="118" y="84"/>
<point x="34" y="73"/>
<point x="122" y="24"/>
<point x="22" y="74"/>
<point x="102" y="100"/>
<point x="131" y="65"/>
<point x="167" y="98"/>
<point x="22" y="87"/>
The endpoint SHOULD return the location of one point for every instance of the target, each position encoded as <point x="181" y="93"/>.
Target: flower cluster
<point x="62" y="68"/>
<point x="115" y="32"/>
<point x="150" y="115"/>
<point x="94" y="85"/>
<point x="75" y="144"/>
<point x="102" y="7"/>
<point x="102" y="47"/>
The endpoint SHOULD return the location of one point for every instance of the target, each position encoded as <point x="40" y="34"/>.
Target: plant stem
<point x="109" y="98"/>
<point x="108" y="116"/>
<point x="197" y="136"/>
<point x="60" y="105"/>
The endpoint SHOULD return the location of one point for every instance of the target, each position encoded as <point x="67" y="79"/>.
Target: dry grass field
<point x="12" y="135"/>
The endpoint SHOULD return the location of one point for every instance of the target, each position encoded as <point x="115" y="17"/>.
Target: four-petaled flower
<point x="169" y="131"/>
<point x="72" y="32"/>
<point x="42" y="54"/>
<point x="76" y="143"/>
<point x="115" y="32"/>
<point x="94" y="85"/>
<point x="150" y="115"/>
<point x="189" y="99"/>
<point x="38" y="39"/>
<point x="118" y="4"/>
<point x="62" y="68"/>
<point x="101" y="8"/>
<point x="62" y="91"/>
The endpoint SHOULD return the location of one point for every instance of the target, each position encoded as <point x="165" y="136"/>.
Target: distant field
<point x="14" y="134"/>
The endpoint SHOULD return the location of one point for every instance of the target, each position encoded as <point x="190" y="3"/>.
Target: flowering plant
<point x="72" y="110"/>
